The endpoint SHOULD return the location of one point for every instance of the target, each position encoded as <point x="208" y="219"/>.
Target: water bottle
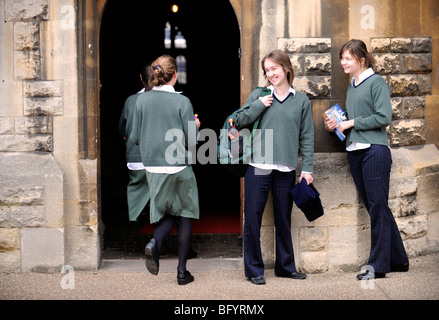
<point x="234" y="139"/>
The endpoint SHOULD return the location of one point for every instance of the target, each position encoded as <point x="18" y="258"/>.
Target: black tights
<point x="184" y="226"/>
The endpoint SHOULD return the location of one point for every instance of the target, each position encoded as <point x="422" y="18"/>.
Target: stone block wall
<point x="32" y="184"/>
<point x="29" y="129"/>
<point x="406" y="65"/>
<point x="311" y="59"/>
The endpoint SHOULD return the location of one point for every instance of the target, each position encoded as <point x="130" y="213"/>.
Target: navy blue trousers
<point x="370" y="169"/>
<point x="257" y="188"/>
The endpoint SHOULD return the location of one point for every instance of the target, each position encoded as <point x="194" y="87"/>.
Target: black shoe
<point x="294" y="275"/>
<point x="257" y="280"/>
<point x="184" y="277"/>
<point x="370" y="275"/>
<point x="152" y="257"/>
<point x="399" y="267"/>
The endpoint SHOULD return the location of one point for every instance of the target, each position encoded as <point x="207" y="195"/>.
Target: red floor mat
<point x="211" y="222"/>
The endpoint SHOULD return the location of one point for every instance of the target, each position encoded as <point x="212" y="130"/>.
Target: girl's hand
<point x="342" y="126"/>
<point x="197" y="121"/>
<point x="266" y="100"/>
<point x="307" y="176"/>
<point x="330" y="124"/>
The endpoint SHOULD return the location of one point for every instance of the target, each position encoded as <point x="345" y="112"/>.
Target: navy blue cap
<point x="307" y="199"/>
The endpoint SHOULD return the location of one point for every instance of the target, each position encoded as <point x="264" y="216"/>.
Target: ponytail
<point x="163" y="69"/>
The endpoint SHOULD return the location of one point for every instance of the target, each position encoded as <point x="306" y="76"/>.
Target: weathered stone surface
<point x="404" y="206"/>
<point x="5" y="217"/>
<point x="404" y="85"/>
<point x="380" y="45"/>
<point x="24" y="10"/>
<point x="314" y="86"/>
<point x="27" y="65"/>
<point x="10" y="261"/>
<point x="21" y="195"/>
<point x="33" y="125"/>
<point x="397" y="108"/>
<point x="305" y="45"/>
<point x="417" y="63"/>
<point x="42" y="249"/>
<point x="9" y="239"/>
<point x="27" y="216"/>
<point x="42" y="88"/>
<point x="6" y="125"/>
<point x="421" y="45"/>
<point x="388" y="63"/>
<point x="407" y="132"/>
<point x="43" y="106"/>
<point x="26" y="143"/>
<point x="414" y="107"/>
<point x="413" y="227"/>
<point x="318" y="64"/>
<point x="26" y="36"/>
<point x="313" y="239"/>
<point x="401" y="45"/>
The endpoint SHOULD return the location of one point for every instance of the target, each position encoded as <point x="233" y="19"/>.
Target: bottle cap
<point x="231" y="120"/>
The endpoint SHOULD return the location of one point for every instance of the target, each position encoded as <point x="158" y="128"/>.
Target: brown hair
<point x="162" y="69"/>
<point x="281" y="58"/>
<point x="358" y="49"/>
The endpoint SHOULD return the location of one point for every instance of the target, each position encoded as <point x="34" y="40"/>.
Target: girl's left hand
<point x="307" y="176"/>
<point x="342" y="126"/>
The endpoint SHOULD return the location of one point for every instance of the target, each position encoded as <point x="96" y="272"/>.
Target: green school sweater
<point x="125" y="127"/>
<point x="291" y="124"/>
<point x="164" y="128"/>
<point x="369" y="105"/>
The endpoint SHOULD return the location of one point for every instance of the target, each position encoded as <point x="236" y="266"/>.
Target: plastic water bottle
<point x="234" y="139"/>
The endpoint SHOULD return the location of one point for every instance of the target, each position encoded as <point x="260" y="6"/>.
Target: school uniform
<point x="161" y="115"/>
<point x="290" y="121"/>
<point x="137" y="188"/>
<point x="370" y="160"/>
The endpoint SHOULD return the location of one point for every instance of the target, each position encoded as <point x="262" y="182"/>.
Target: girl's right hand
<point x="267" y="100"/>
<point x="330" y="124"/>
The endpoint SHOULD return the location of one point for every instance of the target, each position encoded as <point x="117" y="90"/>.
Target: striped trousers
<point x="258" y="184"/>
<point x="370" y="169"/>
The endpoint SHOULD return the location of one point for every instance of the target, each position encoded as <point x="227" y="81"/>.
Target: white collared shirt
<point x="363" y="76"/>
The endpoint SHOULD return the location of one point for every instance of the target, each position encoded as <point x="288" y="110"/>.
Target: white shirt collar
<point x="165" y="87"/>
<point x="363" y="76"/>
<point x="273" y="91"/>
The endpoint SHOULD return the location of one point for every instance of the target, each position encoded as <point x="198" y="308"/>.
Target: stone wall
<point x="406" y="65"/>
<point x="48" y="194"/>
<point x="311" y="59"/>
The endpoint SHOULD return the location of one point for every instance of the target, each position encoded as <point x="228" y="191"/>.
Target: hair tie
<point x="157" y="66"/>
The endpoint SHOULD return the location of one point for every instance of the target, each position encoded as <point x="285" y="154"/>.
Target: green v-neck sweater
<point x="132" y="151"/>
<point x="291" y="124"/>
<point x="164" y="128"/>
<point x="369" y="105"/>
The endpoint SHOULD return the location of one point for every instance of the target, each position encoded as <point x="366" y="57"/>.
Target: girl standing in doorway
<point x="164" y="119"/>
<point x="287" y="113"/>
<point x="370" y="112"/>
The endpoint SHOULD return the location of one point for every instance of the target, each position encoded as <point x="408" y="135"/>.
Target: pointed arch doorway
<point x="133" y="33"/>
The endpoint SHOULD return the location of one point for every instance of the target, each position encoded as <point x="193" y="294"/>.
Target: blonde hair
<point x="162" y="70"/>
<point x="283" y="59"/>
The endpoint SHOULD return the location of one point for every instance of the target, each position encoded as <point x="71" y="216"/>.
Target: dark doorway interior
<point x="133" y="34"/>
